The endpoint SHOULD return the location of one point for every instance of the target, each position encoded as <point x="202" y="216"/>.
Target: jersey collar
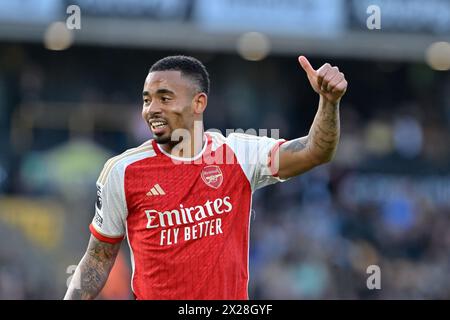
<point x="206" y="146"/>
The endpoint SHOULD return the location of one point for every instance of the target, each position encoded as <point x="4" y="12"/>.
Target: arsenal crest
<point x="212" y="176"/>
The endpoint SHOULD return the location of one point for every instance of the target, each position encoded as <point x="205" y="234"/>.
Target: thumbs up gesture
<point x="327" y="81"/>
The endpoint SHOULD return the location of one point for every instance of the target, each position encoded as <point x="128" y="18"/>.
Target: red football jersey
<point x="186" y="220"/>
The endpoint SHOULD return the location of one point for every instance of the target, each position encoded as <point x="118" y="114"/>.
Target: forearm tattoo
<point x="93" y="270"/>
<point x="324" y="133"/>
<point x="295" y="145"/>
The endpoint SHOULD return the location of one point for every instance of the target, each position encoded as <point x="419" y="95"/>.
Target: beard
<point x="162" y="139"/>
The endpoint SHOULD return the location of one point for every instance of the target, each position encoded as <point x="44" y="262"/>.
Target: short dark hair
<point x="188" y="66"/>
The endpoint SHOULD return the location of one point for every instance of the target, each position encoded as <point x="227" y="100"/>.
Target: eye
<point x="146" y="101"/>
<point x="165" y="99"/>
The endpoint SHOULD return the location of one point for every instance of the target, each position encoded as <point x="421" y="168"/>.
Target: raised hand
<point x="327" y="81"/>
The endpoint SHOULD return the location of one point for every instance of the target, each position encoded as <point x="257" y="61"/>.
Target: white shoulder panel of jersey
<point x="217" y="139"/>
<point x="145" y="148"/>
<point x="253" y="154"/>
<point x="111" y="208"/>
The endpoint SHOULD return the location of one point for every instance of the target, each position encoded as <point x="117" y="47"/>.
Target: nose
<point x="152" y="110"/>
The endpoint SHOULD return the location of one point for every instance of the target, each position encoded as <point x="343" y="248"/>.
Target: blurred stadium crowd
<point x="384" y="200"/>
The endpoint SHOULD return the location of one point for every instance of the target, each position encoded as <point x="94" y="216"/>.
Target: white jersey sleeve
<point x="255" y="155"/>
<point x="109" y="221"/>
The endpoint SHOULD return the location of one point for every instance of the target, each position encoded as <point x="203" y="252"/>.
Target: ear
<point x="199" y="102"/>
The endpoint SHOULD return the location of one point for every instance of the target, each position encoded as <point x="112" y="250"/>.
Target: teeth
<point x="158" y="124"/>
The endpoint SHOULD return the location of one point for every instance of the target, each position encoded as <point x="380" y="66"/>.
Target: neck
<point x="189" y="145"/>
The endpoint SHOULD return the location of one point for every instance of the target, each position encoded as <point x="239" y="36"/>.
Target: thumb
<point x="306" y="66"/>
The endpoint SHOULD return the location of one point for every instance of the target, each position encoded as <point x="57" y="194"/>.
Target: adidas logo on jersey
<point x="156" y="191"/>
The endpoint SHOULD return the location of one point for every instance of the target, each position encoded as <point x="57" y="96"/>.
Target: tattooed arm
<point x="93" y="270"/>
<point x="319" y="146"/>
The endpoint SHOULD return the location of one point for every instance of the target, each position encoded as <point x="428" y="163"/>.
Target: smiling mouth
<point x="158" y="125"/>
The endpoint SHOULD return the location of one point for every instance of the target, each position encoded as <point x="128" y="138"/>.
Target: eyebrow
<point x="159" y="92"/>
